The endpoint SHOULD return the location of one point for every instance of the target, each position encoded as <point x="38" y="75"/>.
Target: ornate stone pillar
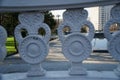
<point x="114" y="38"/>
<point x="76" y="47"/>
<point x="3" y="51"/>
<point x="34" y="47"/>
<point x="3" y="38"/>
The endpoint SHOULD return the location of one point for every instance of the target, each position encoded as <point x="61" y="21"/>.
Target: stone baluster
<point x="3" y="38"/>
<point x="34" y="47"/>
<point x="76" y="47"/>
<point x="3" y="51"/>
<point x="114" y="38"/>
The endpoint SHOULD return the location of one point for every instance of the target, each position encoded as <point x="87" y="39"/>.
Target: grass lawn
<point x="10" y="45"/>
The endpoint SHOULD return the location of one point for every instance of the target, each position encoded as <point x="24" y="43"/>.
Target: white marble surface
<point x="35" y="5"/>
<point x="63" y="75"/>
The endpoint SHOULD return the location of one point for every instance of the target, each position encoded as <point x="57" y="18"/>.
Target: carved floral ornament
<point x="76" y="47"/>
<point x="75" y="16"/>
<point x="32" y="22"/>
<point x="33" y="49"/>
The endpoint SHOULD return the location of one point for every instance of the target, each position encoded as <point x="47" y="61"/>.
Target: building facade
<point x="99" y="16"/>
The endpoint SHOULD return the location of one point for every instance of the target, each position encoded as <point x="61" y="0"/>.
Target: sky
<point x="57" y="12"/>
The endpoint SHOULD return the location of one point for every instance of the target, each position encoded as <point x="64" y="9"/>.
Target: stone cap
<point x="44" y="5"/>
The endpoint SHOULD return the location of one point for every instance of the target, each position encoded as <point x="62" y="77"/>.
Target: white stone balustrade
<point x="3" y="38"/>
<point x="76" y="47"/>
<point x="34" y="47"/>
<point x="113" y="39"/>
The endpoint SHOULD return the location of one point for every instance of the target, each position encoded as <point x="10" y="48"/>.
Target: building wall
<point x="104" y="15"/>
<point x="93" y="13"/>
<point x="99" y="16"/>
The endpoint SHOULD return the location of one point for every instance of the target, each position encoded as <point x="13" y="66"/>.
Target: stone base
<point x="64" y="75"/>
<point x="117" y="71"/>
<point x="72" y="78"/>
<point x="78" y="71"/>
<point x="36" y="73"/>
<point x="36" y="70"/>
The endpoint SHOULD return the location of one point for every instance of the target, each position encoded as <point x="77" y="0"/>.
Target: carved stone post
<point x="3" y="38"/>
<point x="114" y="39"/>
<point x="34" y="47"/>
<point x="76" y="47"/>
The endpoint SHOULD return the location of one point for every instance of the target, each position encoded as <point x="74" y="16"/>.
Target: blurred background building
<point x="99" y="16"/>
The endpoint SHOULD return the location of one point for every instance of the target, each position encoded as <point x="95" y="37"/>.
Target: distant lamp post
<point x="58" y="18"/>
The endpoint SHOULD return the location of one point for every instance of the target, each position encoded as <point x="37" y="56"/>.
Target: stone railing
<point x="76" y="47"/>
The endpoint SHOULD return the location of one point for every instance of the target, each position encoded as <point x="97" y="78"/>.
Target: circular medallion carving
<point x="76" y="47"/>
<point x="33" y="49"/>
<point x="31" y="18"/>
<point x="114" y="46"/>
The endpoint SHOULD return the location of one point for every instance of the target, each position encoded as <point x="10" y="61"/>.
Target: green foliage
<point x="10" y="45"/>
<point x="49" y="19"/>
<point x="9" y="21"/>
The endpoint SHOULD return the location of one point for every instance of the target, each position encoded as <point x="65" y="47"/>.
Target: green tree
<point x="9" y="21"/>
<point x="49" y="19"/>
